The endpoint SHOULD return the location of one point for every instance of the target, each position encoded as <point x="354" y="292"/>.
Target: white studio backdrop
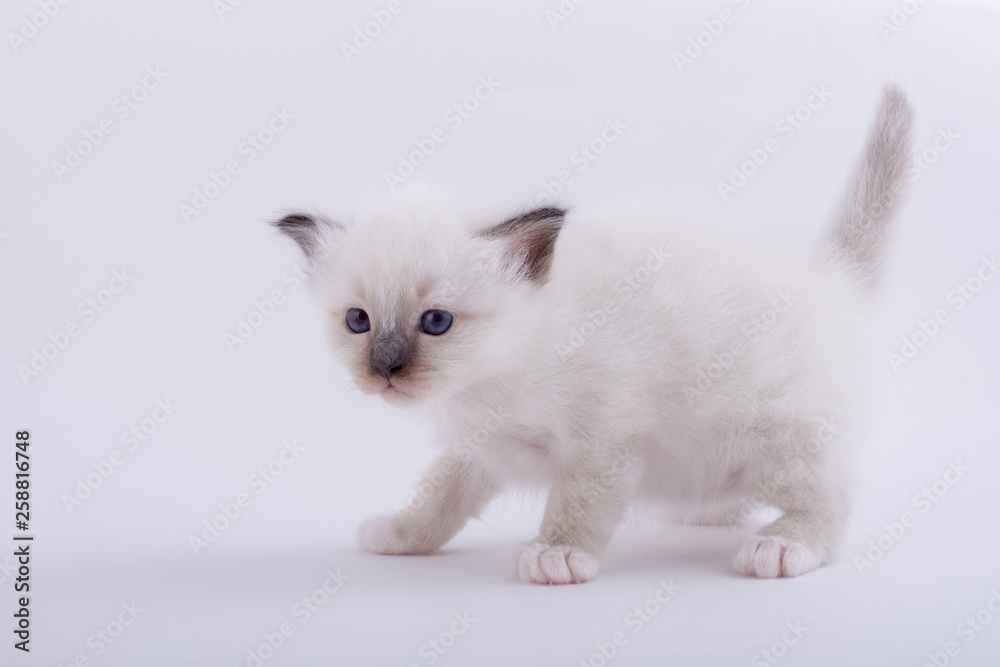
<point x="159" y="345"/>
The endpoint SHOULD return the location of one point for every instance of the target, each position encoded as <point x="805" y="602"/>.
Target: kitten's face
<point x="415" y="298"/>
<point x="404" y="312"/>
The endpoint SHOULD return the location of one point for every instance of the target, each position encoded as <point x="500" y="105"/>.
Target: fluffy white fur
<point x="624" y="357"/>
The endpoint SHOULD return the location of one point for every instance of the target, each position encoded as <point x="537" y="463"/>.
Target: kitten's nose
<point x="389" y="353"/>
<point x="387" y="368"/>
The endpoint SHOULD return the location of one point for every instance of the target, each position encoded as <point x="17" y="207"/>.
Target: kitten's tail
<point x="863" y="225"/>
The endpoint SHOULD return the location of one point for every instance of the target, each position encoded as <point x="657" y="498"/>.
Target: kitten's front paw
<point x="770" y="557"/>
<point x="383" y="535"/>
<point x="540" y="563"/>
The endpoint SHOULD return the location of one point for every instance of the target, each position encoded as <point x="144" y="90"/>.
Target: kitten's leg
<point x="584" y="507"/>
<point x="721" y="515"/>
<point x="452" y="491"/>
<point x="815" y="503"/>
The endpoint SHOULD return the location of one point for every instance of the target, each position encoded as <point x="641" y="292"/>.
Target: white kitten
<point x="625" y="357"/>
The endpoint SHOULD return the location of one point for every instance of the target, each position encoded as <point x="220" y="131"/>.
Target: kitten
<point x="622" y="358"/>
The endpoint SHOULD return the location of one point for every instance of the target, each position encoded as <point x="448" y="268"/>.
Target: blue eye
<point x="435" y="322"/>
<point x="357" y="320"/>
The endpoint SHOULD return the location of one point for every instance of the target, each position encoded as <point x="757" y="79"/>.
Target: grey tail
<point x="864" y="224"/>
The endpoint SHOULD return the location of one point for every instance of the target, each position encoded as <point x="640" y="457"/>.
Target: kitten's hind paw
<point x="540" y="563"/>
<point x="770" y="557"/>
<point x="384" y="535"/>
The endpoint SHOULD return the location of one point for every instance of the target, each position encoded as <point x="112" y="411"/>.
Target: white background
<point x="163" y="335"/>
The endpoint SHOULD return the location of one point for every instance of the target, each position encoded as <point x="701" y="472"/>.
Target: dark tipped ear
<point x="532" y="238"/>
<point x="307" y="230"/>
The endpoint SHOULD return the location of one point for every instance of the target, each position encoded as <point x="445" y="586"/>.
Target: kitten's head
<point x="421" y="297"/>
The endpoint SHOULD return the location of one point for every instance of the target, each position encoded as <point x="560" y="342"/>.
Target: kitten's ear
<point x="531" y="239"/>
<point x="310" y="232"/>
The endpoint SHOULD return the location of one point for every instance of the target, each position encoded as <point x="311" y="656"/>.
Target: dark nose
<point x="389" y="353"/>
<point x="387" y="368"/>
